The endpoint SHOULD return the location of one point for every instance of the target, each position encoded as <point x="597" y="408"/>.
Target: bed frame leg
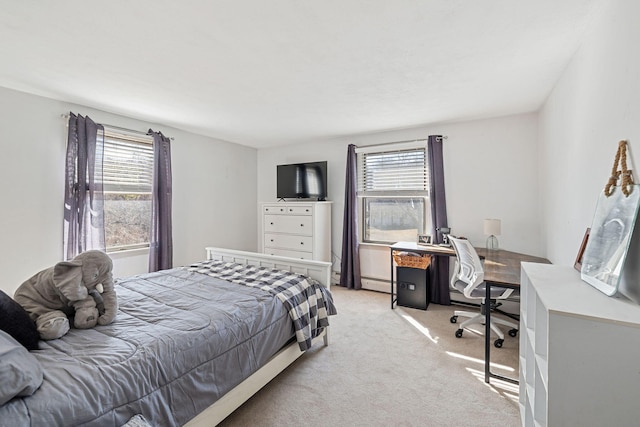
<point x="326" y="337"/>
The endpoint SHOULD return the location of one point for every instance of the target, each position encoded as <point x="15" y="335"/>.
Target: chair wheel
<point x="454" y="319"/>
<point x="498" y="343"/>
<point x="513" y="332"/>
<point x="459" y="333"/>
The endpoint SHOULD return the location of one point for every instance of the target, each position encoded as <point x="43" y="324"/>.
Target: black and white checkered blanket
<point x="308" y="302"/>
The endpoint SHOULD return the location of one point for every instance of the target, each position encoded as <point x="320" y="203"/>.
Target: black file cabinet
<point x="413" y="287"/>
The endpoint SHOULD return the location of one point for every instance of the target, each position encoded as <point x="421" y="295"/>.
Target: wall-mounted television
<point x="302" y="181"/>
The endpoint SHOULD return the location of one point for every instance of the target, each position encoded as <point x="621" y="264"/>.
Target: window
<point x="394" y="190"/>
<point x="127" y="180"/>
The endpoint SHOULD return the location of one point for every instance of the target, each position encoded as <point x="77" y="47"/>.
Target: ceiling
<point x="266" y="73"/>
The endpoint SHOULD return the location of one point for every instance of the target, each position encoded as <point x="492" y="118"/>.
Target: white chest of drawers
<point x="297" y="230"/>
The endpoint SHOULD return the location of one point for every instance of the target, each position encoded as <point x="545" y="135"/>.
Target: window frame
<point x="417" y="188"/>
<point x="121" y="139"/>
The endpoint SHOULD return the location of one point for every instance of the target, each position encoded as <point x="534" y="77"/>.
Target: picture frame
<point x="578" y="263"/>
<point x="424" y="239"/>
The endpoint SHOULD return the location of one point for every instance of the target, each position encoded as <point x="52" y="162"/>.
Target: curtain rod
<point x="400" y="142"/>
<point x="66" y="116"/>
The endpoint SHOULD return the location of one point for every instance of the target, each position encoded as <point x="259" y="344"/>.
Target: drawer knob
<point x="302" y="243"/>
<point x="271" y="223"/>
<point x="301" y="225"/>
<point x="272" y="240"/>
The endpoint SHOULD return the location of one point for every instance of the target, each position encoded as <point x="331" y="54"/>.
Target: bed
<point x="188" y="347"/>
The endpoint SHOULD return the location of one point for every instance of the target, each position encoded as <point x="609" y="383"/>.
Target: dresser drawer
<point x="298" y="229"/>
<point x="299" y="210"/>
<point x="291" y="224"/>
<point x="289" y="254"/>
<point x="288" y="241"/>
<point x="274" y="210"/>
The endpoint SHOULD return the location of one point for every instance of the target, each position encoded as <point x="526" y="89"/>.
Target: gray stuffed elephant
<point x="81" y="288"/>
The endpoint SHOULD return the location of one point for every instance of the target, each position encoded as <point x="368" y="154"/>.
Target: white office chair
<point x="468" y="278"/>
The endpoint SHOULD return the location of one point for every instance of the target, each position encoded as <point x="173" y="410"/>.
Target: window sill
<point x="374" y="245"/>
<point x="128" y="253"/>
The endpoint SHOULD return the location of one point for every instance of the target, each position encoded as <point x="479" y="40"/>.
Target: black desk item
<point x="413" y="287"/>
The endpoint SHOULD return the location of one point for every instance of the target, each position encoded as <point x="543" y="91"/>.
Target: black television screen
<point x="302" y="181"/>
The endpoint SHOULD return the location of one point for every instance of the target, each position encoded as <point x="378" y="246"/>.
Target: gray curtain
<point x="83" y="196"/>
<point x="161" y="240"/>
<point x="350" y="263"/>
<point x="440" y="265"/>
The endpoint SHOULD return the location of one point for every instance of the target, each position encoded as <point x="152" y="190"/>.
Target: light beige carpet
<point x="401" y="367"/>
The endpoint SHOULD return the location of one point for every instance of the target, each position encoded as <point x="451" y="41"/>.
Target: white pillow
<point x="20" y="372"/>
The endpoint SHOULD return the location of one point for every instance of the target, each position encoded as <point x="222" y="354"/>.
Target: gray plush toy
<point x="76" y="288"/>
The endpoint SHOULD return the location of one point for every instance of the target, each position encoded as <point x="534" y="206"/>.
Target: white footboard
<point x="319" y="270"/>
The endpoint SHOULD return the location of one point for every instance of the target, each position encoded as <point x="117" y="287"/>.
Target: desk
<point x="500" y="268"/>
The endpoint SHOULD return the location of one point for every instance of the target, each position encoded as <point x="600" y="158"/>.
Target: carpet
<point x="383" y="367"/>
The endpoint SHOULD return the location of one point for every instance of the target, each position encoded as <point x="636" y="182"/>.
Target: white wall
<point x="491" y="171"/>
<point x="214" y="191"/>
<point x="595" y="104"/>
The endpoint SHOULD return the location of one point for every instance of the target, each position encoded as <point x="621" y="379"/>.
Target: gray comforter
<point x="181" y="340"/>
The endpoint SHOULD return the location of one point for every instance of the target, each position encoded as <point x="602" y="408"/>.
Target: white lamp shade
<point x="492" y="227"/>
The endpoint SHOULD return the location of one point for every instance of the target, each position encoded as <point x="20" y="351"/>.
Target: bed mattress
<point x="181" y="340"/>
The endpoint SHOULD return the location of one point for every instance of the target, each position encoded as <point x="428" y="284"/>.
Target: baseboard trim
<point x="369" y="283"/>
<point x="376" y="284"/>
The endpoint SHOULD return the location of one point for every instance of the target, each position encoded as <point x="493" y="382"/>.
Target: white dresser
<point x="579" y="352"/>
<point x="297" y="230"/>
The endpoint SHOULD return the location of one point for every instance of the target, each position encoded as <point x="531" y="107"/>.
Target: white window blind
<point x="128" y="163"/>
<point x="393" y="171"/>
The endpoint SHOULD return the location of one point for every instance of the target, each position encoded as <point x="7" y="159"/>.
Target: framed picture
<point x="578" y="264"/>
<point x="424" y="239"/>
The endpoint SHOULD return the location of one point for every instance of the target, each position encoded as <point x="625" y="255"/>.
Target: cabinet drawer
<point x="300" y="210"/>
<point x="288" y="241"/>
<point x="289" y="254"/>
<point x="274" y="210"/>
<point x="291" y="224"/>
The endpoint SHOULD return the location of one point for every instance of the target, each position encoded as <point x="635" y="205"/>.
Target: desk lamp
<point x="492" y="228"/>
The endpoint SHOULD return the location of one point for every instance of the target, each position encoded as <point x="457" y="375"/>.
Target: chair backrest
<point x="468" y="267"/>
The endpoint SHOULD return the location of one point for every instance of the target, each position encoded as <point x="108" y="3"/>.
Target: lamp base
<point x="492" y="243"/>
